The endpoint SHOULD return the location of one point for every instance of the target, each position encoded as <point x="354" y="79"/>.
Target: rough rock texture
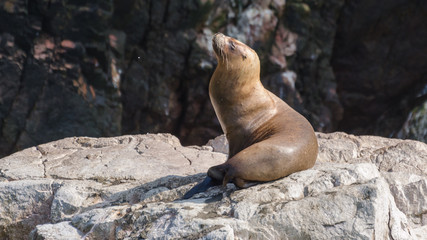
<point x="109" y="67"/>
<point x="54" y="182"/>
<point x="312" y="26"/>
<point x="403" y="163"/>
<point x="415" y="126"/>
<point x="378" y="61"/>
<point x="129" y="187"/>
<point x="57" y="73"/>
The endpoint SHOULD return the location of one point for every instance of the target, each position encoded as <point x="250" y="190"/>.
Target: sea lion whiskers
<point x="226" y="60"/>
<point x="224" y="57"/>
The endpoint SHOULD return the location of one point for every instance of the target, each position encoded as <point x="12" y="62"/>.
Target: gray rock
<point x="362" y="187"/>
<point x="219" y="144"/>
<point x="59" y="231"/>
<point x="56" y="181"/>
<point x="112" y="160"/>
<point x="410" y="194"/>
<point x="128" y="67"/>
<point x="310" y="204"/>
<point x="24" y="205"/>
<point x="389" y="155"/>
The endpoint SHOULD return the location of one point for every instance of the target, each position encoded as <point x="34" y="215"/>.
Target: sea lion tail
<point x="201" y="187"/>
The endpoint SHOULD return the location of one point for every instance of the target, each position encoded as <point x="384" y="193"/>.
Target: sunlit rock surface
<point x="130" y="187"/>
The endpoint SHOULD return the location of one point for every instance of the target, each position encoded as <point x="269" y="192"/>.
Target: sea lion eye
<point x="232" y="46"/>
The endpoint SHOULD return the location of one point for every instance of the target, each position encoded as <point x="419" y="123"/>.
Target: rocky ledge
<point x="129" y="187"/>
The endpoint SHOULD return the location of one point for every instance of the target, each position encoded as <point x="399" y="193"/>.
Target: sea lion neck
<point x="228" y="91"/>
<point x="228" y="84"/>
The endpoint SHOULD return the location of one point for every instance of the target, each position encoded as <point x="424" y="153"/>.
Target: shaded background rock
<point x="106" y="68"/>
<point x="57" y="72"/>
<point x="378" y="61"/>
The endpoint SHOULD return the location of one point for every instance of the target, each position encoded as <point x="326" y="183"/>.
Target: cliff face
<point x="380" y="68"/>
<point x="58" y="67"/>
<point x="105" y="68"/>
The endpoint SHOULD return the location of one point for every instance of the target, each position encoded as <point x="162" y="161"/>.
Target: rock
<point x="415" y="126"/>
<point x="362" y="187"/>
<point x="389" y="155"/>
<point x="419" y="233"/>
<point x="410" y="194"/>
<point x="312" y="30"/>
<point x="219" y="144"/>
<point x="364" y="202"/>
<point x="57" y="87"/>
<point x="60" y="231"/>
<point x="58" y="180"/>
<point x="132" y="67"/>
<point x="112" y="160"/>
<point x="373" y="51"/>
<point x="24" y="205"/>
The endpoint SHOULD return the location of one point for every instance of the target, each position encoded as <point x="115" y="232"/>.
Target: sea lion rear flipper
<point x="201" y="187"/>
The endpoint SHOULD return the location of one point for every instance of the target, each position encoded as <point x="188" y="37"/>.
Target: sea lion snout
<point x="218" y="42"/>
<point x="218" y="37"/>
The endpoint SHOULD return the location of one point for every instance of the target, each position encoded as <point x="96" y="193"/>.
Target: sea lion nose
<point x="216" y="39"/>
<point x="218" y="42"/>
<point x="217" y="35"/>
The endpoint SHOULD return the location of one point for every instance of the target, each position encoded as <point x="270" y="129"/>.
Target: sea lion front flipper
<point x="201" y="187"/>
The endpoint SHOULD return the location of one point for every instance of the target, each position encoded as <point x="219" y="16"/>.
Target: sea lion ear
<point x="244" y="57"/>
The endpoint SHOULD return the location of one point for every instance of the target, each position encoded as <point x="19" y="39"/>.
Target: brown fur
<point x="267" y="139"/>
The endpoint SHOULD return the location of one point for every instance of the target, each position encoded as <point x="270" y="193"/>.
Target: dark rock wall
<point x="104" y="68"/>
<point x="315" y="24"/>
<point x="58" y="66"/>
<point x="380" y="64"/>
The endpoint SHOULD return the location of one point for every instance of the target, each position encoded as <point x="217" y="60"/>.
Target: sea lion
<point x="267" y="139"/>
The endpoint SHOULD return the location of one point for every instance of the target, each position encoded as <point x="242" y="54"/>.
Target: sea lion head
<point x="236" y="77"/>
<point x="232" y="54"/>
